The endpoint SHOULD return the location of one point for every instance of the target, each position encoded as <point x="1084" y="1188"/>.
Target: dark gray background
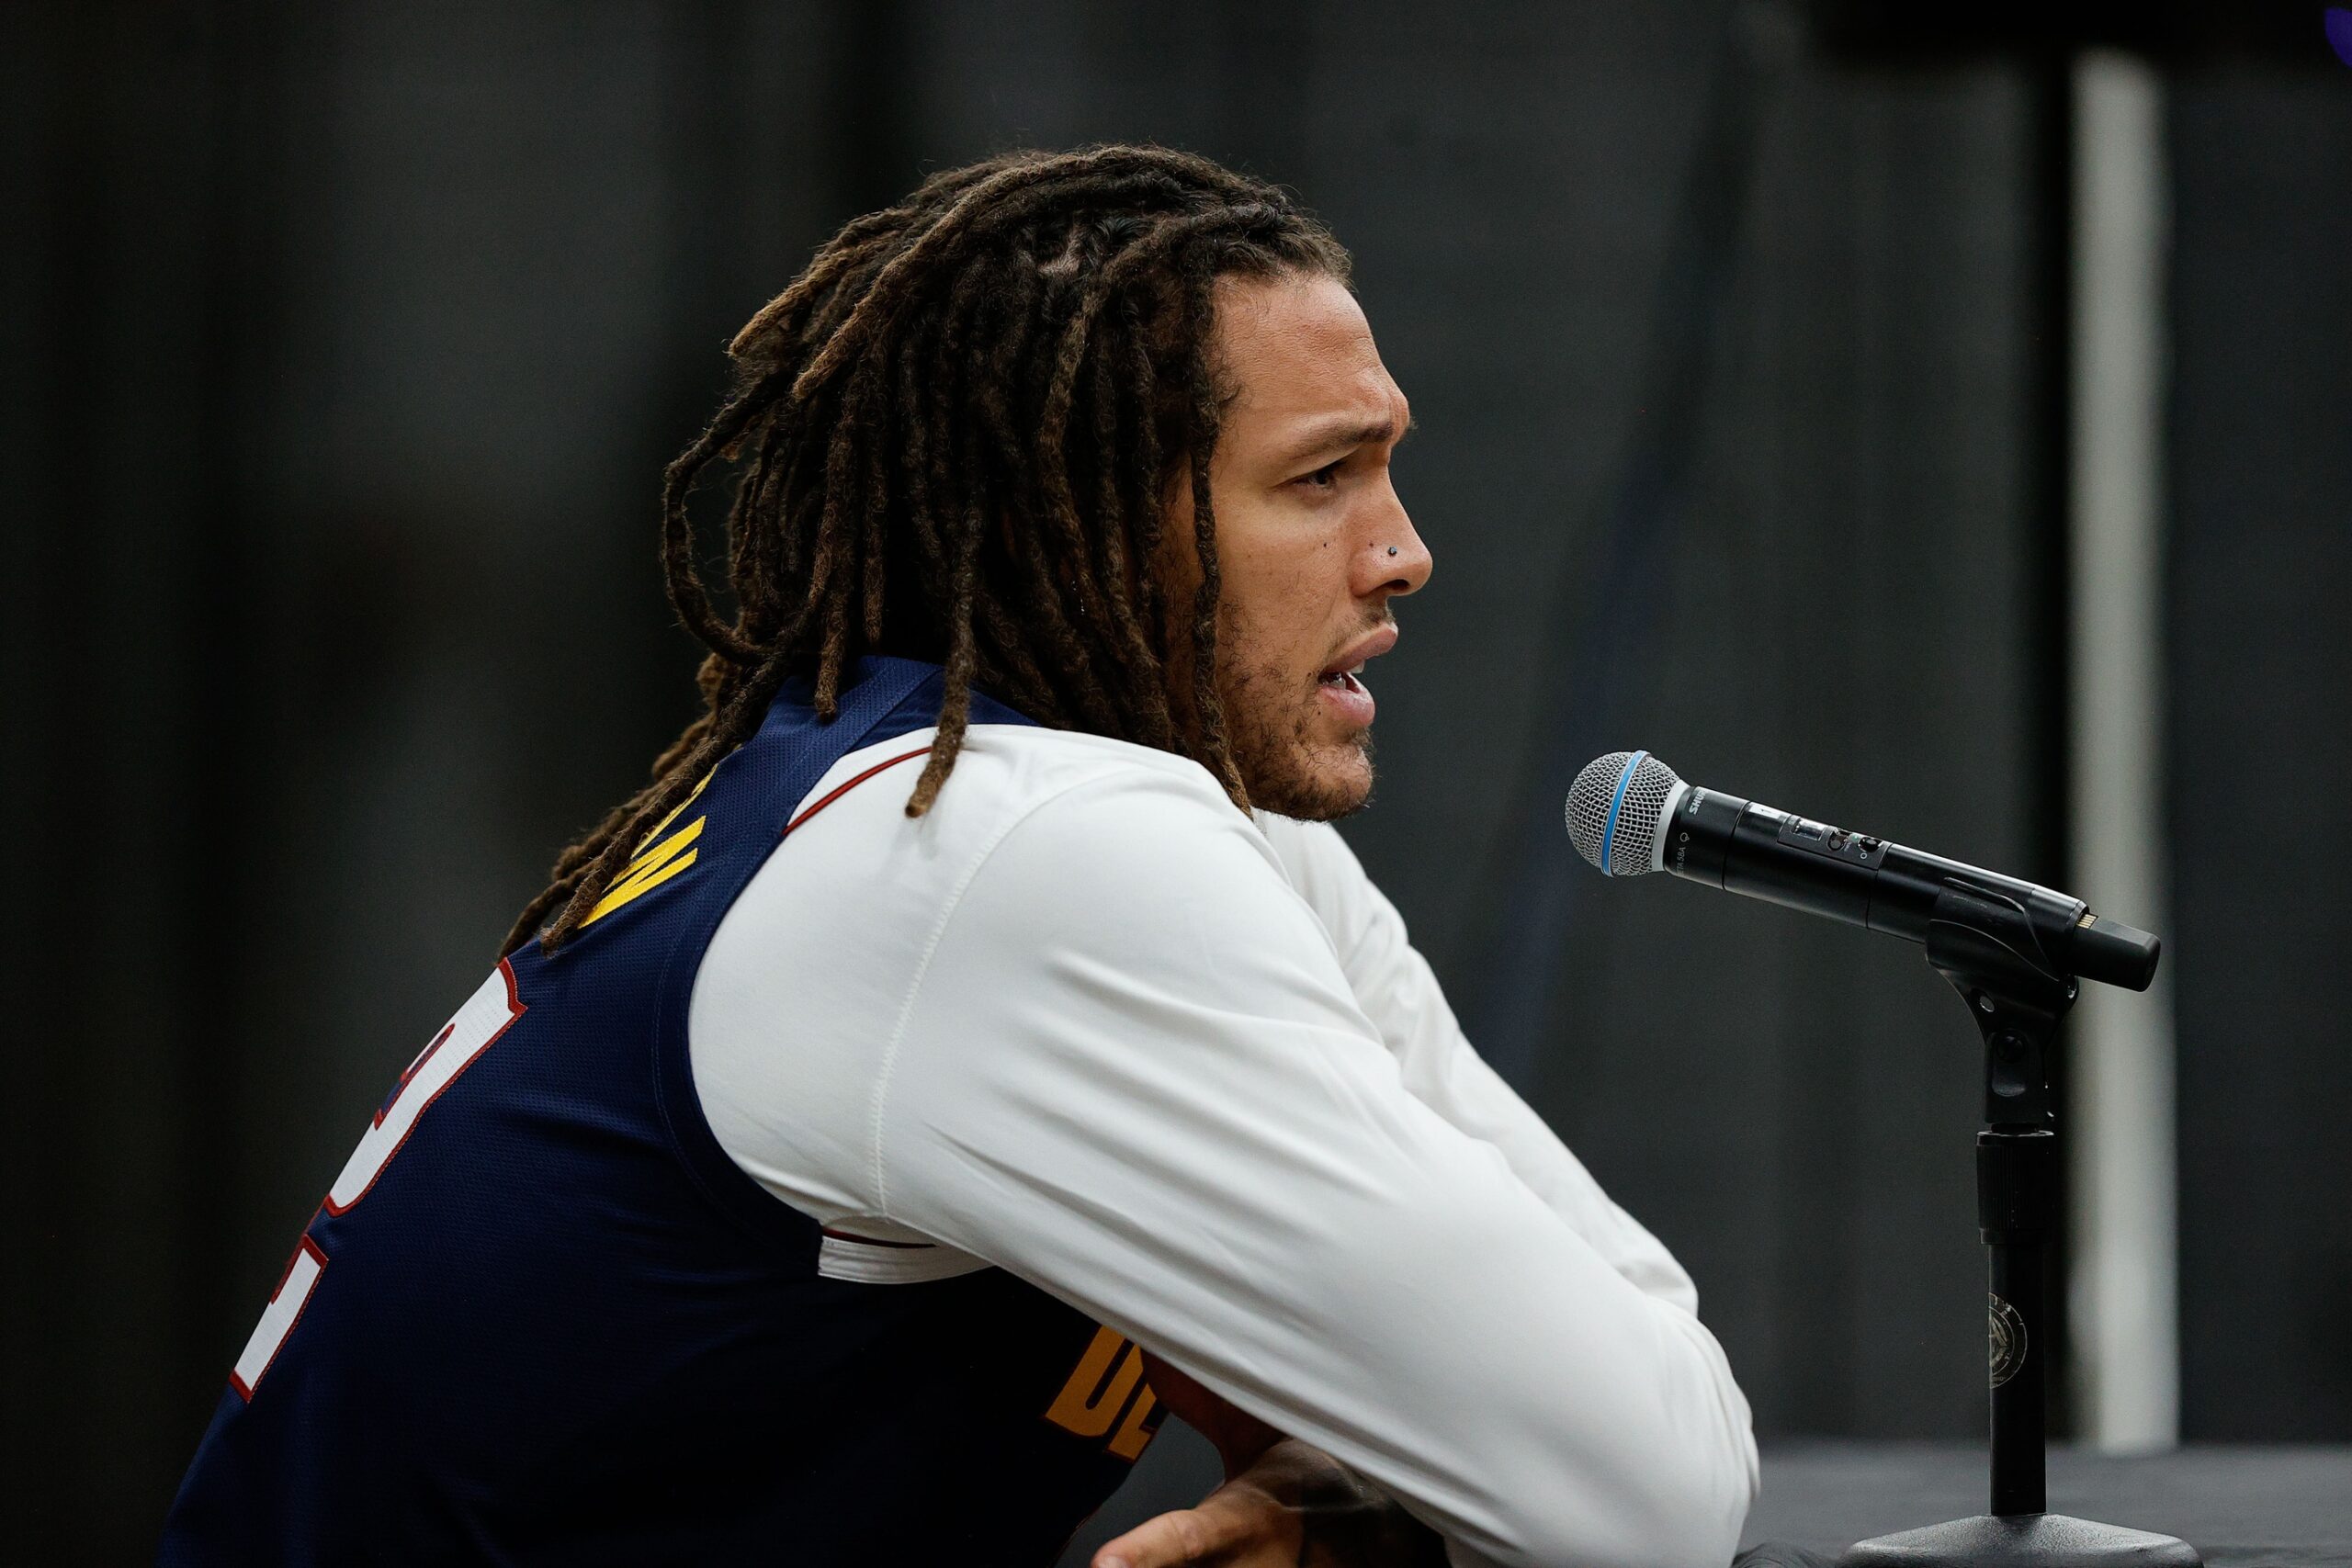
<point x="343" y="344"/>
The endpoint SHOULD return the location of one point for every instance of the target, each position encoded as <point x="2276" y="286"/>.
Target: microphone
<point x="1628" y="814"/>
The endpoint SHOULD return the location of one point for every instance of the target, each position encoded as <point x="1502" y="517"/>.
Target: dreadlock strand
<point x="918" y="477"/>
<point x="1200" y="446"/>
<point x="832" y="656"/>
<point x="1060" y="504"/>
<point x="874" y="513"/>
<point x="882" y="291"/>
<point x="727" y="730"/>
<point x="1042" y="598"/>
<point x="1112" y="536"/>
<point x="575" y="863"/>
<point x="1024" y="681"/>
<point x="765" y="559"/>
<point x="682" y="573"/>
<point x="745" y="541"/>
<point x="864" y="242"/>
<point x="970" y="208"/>
<point x="782" y="317"/>
<point x="1144" y="481"/>
<point x="955" y="703"/>
<point x="795" y="505"/>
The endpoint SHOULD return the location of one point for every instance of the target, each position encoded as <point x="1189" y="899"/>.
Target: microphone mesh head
<point x="1614" y="811"/>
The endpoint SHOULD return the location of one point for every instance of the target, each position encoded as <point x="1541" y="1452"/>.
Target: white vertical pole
<point x="2124" y="1282"/>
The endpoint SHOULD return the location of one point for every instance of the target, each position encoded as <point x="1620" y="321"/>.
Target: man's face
<point x="1312" y="542"/>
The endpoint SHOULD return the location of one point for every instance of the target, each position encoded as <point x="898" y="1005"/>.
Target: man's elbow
<point x="1670" y="1489"/>
<point x="1683" y="1512"/>
<point x="1706" y="1473"/>
<point x="1704" y="1505"/>
<point x="1616" y="1438"/>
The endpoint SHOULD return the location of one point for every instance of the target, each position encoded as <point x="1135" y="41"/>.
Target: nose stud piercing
<point x="1392" y="550"/>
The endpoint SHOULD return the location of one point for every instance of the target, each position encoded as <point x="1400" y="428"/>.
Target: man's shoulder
<point x="1067" y="840"/>
<point x="1009" y="774"/>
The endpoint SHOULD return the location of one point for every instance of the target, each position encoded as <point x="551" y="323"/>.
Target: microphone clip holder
<point x="1990" y="950"/>
<point x="1985" y="945"/>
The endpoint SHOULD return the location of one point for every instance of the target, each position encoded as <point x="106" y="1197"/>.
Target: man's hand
<point x="1283" y="1504"/>
<point x="1240" y="1525"/>
<point x="1296" y="1507"/>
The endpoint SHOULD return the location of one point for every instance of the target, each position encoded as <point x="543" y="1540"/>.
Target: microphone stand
<point x="1984" y="943"/>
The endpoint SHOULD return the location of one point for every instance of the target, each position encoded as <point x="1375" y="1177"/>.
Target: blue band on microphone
<point x="1609" y="833"/>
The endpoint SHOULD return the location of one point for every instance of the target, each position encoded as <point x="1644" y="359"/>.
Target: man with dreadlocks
<point x="840" y="1173"/>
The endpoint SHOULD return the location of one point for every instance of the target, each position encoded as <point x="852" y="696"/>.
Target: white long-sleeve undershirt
<point x="1182" y="1069"/>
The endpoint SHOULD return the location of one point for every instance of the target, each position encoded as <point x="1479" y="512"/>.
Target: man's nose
<point x="1399" y="561"/>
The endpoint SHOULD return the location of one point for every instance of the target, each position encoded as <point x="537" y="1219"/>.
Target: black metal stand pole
<point x="1985" y="946"/>
<point x="2015" y="1185"/>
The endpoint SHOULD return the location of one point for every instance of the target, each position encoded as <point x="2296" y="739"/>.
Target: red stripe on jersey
<point x="877" y="1241"/>
<point x="844" y="789"/>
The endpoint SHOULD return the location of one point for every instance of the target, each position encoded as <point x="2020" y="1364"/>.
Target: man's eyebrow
<point x="1344" y="430"/>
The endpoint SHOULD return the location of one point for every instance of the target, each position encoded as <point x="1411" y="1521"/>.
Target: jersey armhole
<point x="872" y="715"/>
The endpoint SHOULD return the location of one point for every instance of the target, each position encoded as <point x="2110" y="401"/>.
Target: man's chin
<point x="1317" y="785"/>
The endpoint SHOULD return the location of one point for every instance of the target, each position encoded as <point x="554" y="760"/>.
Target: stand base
<point x="2023" y="1540"/>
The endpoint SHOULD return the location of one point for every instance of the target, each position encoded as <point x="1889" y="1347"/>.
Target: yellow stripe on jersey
<point x="691" y="796"/>
<point x="652" y="867"/>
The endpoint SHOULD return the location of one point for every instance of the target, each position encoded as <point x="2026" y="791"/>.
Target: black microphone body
<point x="1705" y="835"/>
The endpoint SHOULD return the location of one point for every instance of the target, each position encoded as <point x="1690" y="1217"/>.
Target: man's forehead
<point x="1299" y="348"/>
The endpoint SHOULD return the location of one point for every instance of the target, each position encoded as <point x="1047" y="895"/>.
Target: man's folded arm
<point x="1132" y="1071"/>
<point x="1394" y="984"/>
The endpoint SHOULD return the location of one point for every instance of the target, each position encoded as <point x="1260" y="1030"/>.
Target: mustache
<point x="1378" y="623"/>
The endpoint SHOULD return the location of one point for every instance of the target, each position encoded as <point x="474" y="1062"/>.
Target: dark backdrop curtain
<point x="346" y="346"/>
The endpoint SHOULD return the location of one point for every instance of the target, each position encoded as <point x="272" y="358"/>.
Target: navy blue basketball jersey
<point x="542" y="1318"/>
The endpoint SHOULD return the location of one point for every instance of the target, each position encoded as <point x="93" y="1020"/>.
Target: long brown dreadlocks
<point x="958" y="433"/>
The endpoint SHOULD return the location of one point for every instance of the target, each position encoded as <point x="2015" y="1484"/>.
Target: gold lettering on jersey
<point x="691" y="796"/>
<point x="654" y="865"/>
<point x="1088" y="1404"/>
<point x="657" y="858"/>
<point x="1106" y="1384"/>
<point x="1141" y="1425"/>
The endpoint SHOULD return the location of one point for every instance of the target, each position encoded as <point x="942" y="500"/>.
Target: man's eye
<point x="1324" y="477"/>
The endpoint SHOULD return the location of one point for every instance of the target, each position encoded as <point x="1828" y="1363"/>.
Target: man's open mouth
<point x="1345" y="673"/>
